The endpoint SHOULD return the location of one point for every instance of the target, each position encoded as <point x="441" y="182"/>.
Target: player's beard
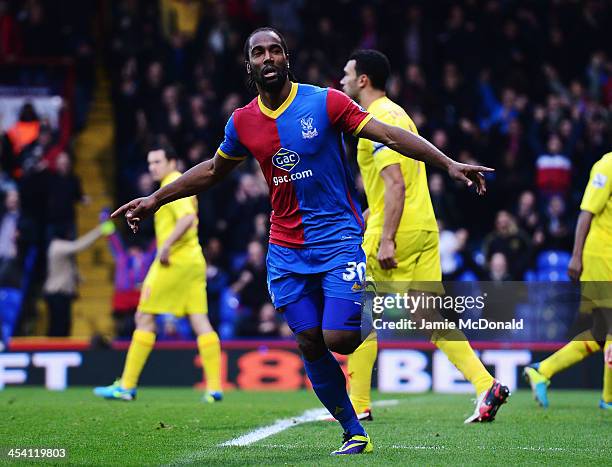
<point x="273" y="85"/>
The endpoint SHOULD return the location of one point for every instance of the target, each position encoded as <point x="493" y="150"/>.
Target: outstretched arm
<point x="70" y="247"/>
<point x="194" y="181"/>
<point x="414" y="146"/>
<point x="115" y="244"/>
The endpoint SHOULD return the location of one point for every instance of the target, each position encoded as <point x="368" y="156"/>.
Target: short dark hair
<point x="160" y="144"/>
<point x="374" y="64"/>
<point x="250" y="81"/>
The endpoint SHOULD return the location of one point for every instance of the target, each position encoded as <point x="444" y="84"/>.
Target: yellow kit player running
<point x="401" y="238"/>
<point x="591" y="263"/>
<point x="175" y="283"/>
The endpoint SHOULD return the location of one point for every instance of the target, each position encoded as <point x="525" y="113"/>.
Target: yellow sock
<point x="607" y="385"/>
<point x="210" y="354"/>
<point x="140" y="348"/>
<point x="458" y="350"/>
<point x="578" y="349"/>
<point x="360" y="364"/>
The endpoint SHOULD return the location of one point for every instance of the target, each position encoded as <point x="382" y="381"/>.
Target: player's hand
<point x="574" y="269"/>
<point x="470" y="175"/>
<point x="608" y="356"/>
<point x="366" y="216"/>
<point x="136" y="210"/>
<point x="386" y="254"/>
<point x="164" y="256"/>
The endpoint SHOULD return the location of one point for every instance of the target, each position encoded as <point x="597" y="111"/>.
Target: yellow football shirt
<point x="373" y="157"/>
<point x="187" y="248"/>
<point x="597" y="199"/>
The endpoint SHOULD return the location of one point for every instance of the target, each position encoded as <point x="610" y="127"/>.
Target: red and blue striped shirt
<point x="300" y="150"/>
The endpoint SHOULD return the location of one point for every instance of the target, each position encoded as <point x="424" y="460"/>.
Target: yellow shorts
<point x="418" y="260"/>
<point x="178" y="289"/>
<point x="596" y="282"/>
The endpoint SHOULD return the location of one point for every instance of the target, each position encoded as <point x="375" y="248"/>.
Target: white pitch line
<point x="312" y="415"/>
<point x="486" y="448"/>
<point x="401" y="446"/>
<point x="263" y="432"/>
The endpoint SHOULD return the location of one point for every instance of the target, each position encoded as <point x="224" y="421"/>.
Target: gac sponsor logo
<point x="285" y="159"/>
<point x="291" y="177"/>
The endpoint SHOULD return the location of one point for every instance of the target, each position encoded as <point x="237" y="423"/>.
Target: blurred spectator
<point x="453" y="98"/>
<point x="171" y="327"/>
<point x="267" y="323"/>
<point x="417" y="37"/>
<point x="33" y="153"/>
<point x="498" y="268"/>
<point x="11" y="44"/>
<point x="262" y="228"/>
<point x="442" y="201"/>
<point x="553" y="170"/>
<point x="415" y="91"/>
<point x="180" y="17"/>
<point x="251" y="286"/>
<point x="61" y="285"/>
<point x="39" y="36"/>
<point x="6" y="183"/>
<point x="557" y="233"/>
<point x="499" y="114"/>
<point x="217" y="277"/>
<point x="527" y="214"/>
<point x="63" y="192"/>
<point x="250" y="199"/>
<point x="457" y="258"/>
<point x="449" y="246"/>
<point x="513" y="242"/>
<point x="24" y="131"/>
<point x="33" y="194"/>
<point x="9" y="232"/>
<point x="283" y="15"/>
<point x="369" y="28"/>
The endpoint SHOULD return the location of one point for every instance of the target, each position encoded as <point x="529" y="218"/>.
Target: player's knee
<point x="311" y="344"/>
<point x="145" y="321"/>
<point x="342" y="342"/>
<point x="200" y="324"/>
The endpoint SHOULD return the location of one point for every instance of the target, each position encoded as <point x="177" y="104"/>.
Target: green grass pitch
<point x="171" y="427"/>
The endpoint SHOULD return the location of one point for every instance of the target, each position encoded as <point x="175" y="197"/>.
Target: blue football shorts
<point x="320" y="286"/>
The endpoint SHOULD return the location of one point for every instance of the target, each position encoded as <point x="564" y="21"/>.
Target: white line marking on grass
<point x="486" y="448"/>
<point x="385" y="403"/>
<point x="542" y="449"/>
<point x="312" y="415"/>
<point x="263" y="432"/>
<point x="400" y="446"/>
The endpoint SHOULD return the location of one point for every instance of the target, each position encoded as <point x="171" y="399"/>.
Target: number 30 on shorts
<point x="354" y="269"/>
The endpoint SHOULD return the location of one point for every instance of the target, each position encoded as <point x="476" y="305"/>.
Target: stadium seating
<point x="552" y="266"/>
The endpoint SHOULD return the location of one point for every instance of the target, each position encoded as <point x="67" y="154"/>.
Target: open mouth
<point x="269" y="73"/>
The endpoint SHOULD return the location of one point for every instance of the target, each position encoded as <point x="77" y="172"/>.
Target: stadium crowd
<point x="484" y="80"/>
